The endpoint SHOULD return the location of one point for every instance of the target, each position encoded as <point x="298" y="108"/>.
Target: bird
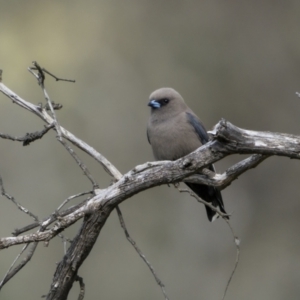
<point x="174" y="131"/>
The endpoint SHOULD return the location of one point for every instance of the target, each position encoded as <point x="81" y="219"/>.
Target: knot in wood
<point x="186" y="163"/>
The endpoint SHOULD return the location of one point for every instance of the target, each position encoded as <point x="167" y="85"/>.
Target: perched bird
<point x="174" y="131"/>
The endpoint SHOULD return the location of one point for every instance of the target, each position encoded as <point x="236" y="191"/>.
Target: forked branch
<point x="226" y="139"/>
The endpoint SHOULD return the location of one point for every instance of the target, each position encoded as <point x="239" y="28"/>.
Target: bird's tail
<point x="211" y="195"/>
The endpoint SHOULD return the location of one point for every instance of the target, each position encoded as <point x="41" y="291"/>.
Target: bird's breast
<point x="172" y="140"/>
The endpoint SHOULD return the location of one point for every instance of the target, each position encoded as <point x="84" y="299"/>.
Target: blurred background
<point x="238" y="60"/>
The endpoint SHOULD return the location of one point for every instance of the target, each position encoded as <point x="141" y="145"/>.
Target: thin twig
<point x="40" y="75"/>
<point x="12" y="199"/>
<point x="65" y="240"/>
<point x="235" y="237"/>
<point x="29" y="137"/>
<point x="57" y="78"/>
<point x="221" y="181"/>
<point x="73" y="197"/>
<point x="56" y="106"/>
<point x="26" y="228"/>
<point x="42" y="113"/>
<point x="223" y="215"/>
<point x="41" y="79"/>
<point x="82" y="287"/>
<point x="237" y="257"/>
<point x="50" y="219"/>
<point x="140" y="253"/>
<point x="5" y="278"/>
<point x="82" y="166"/>
<point x="12" y="272"/>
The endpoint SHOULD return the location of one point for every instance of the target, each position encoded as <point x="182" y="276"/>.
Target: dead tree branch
<point x="232" y="173"/>
<point x="226" y="139"/>
<point x="137" y="249"/>
<point x="13" y="271"/>
<point x="29" y="137"/>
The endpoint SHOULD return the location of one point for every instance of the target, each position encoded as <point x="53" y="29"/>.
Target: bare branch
<point x="61" y="224"/>
<point x="237" y="140"/>
<point x="227" y="139"/>
<point x="140" y="253"/>
<point x="21" y="102"/>
<point x="237" y="257"/>
<point x="164" y="172"/>
<point x="12" y="272"/>
<point x="235" y="237"/>
<point x="52" y="218"/>
<point x="29" y="137"/>
<point x="232" y="173"/>
<point x="41" y="70"/>
<point x="80" y="248"/>
<point x="42" y="113"/>
<point x="82" y="166"/>
<point x="82" y="287"/>
<point x="41" y="79"/>
<point x="55" y="106"/>
<point x="200" y="200"/>
<point x="12" y="199"/>
<point x="71" y="198"/>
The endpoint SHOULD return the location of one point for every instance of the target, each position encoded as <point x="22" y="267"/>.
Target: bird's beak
<point x="154" y="104"/>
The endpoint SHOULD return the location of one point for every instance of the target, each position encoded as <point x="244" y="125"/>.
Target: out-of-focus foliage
<point x="233" y="59"/>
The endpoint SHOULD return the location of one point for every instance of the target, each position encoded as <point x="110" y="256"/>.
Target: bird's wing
<point x="200" y="130"/>
<point x="148" y="136"/>
<point x="198" y="126"/>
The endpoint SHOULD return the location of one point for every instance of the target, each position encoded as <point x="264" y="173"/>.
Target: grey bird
<point x="175" y="131"/>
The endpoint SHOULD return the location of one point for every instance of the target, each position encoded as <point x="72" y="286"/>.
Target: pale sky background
<point x="238" y="60"/>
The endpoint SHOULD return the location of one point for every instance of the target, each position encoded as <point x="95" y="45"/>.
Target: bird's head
<point x="166" y="100"/>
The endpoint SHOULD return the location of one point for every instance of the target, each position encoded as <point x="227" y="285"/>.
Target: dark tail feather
<point x="211" y="195"/>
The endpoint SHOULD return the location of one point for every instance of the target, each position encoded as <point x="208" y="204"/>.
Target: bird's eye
<point x="166" y="101"/>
